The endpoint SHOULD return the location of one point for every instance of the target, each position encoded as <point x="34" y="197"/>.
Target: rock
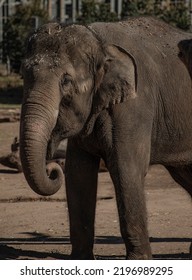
<point x="12" y="160"/>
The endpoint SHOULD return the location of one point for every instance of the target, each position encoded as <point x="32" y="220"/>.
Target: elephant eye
<point x="66" y="80"/>
<point x="66" y="100"/>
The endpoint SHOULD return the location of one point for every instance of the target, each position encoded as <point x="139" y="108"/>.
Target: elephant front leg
<point x="81" y="187"/>
<point x="128" y="172"/>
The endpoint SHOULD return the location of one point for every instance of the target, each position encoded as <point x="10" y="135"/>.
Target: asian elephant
<point x="117" y="91"/>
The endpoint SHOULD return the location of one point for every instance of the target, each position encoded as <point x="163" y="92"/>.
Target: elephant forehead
<point x="42" y="62"/>
<point x="42" y="59"/>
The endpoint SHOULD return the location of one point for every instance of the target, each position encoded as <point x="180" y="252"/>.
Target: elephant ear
<point x="116" y="80"/>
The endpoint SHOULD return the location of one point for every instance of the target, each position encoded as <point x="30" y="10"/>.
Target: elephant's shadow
<point x="8" y="171"/>
<point x="9" y="251"/>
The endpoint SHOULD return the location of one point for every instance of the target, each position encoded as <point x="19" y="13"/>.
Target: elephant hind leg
<point x="183" y="176"/>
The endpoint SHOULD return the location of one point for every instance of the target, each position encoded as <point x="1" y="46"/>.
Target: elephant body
<point x="118" y="92"/>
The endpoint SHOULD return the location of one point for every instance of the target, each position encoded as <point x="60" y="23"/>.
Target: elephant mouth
<point x="56" y="154"/>
<point x="52" y="145"/>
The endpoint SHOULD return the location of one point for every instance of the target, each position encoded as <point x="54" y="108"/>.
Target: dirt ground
<point x="34" y="227"/>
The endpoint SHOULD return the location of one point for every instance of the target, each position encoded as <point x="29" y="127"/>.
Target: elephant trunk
<point x="37" y="123"/>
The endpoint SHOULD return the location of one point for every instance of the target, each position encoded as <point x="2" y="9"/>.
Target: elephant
<point x="185" y="54"/>
<point x="117" y="92"/>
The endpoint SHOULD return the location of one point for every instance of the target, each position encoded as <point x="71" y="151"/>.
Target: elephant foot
<point x="144" y="254"/>
<point x="136" y="256"/>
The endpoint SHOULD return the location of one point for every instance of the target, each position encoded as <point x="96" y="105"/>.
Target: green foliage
<point x="177" y="15"/>
<point x="89" y="12"/>
<point x="137" y="7"/>
<point x="105" y="14"/>
<point x="93" y="11"/>
<point x="17" y="28"/>
<point x="174" y="13"/>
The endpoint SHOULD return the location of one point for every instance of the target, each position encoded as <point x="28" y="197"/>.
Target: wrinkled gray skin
<point x="119" y="92"/>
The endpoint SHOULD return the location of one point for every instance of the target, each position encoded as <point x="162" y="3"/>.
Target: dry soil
<point x="34" y="227"/>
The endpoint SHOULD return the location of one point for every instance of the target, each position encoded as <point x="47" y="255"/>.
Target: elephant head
<point x="70" y="76"/>
<point x="185" y="54"/>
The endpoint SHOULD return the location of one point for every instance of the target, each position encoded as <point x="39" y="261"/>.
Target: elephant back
<point x="153" y="45"/>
